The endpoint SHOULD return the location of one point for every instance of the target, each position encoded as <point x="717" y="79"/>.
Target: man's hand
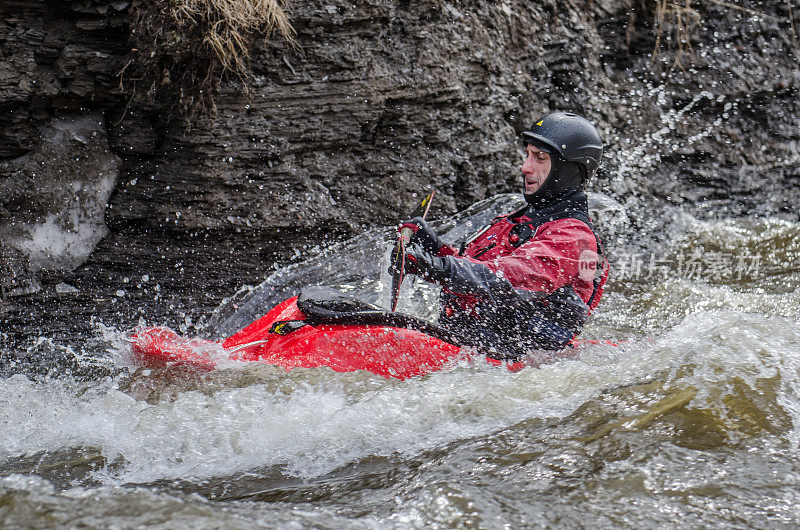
<point x="424" y="234"/>
<point x="423" y="264"/>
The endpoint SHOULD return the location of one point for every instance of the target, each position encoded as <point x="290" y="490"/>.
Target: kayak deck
<point x="319" y="330"/>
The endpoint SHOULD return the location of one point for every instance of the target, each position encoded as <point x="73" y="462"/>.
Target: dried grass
<point x="675" y="22"/>
<point x="229" y="26"/>
<point x="184" y="47"/>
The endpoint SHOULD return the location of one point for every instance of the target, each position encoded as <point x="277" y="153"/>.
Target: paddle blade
<point x="422" y="208"/>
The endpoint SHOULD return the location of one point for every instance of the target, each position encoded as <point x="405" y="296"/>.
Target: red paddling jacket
<point x="527" y="281"/>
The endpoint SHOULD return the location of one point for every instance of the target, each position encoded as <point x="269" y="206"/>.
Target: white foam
<point x="309" y="429"/>
<point x="310" y="422"/>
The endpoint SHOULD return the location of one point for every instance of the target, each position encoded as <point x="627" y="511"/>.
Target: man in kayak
<point x="530" y="279"/>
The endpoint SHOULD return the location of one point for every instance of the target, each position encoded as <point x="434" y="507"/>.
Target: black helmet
<point x="569" y="135"/>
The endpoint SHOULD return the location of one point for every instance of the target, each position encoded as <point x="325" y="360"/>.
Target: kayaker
<point x="529" y="280"/>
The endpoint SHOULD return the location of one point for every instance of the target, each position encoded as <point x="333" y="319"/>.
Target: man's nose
<point x="526" y="166"/>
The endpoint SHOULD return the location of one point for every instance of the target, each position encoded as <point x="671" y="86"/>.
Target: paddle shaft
<point x="400" y="248"/>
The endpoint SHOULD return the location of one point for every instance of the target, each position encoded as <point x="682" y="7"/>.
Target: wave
<point x="719" y="376"/>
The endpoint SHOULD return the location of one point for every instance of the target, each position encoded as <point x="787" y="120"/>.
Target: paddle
<point x="399" y="252"/>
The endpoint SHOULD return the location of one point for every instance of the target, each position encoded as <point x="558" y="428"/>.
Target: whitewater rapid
<point x="702" y="394"/>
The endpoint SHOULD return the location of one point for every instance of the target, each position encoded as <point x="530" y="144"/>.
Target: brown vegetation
<point x="182" y="48"/>
<point x="229" y="26"/>
<point x="675" y="22"/>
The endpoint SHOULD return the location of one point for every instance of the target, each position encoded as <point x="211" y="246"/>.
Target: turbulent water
<point x="694" y="419"/>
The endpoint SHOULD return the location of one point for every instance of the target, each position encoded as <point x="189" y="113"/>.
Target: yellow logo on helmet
<point x="539" y="123"/>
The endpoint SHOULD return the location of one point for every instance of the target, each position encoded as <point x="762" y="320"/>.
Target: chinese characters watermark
<point x="692" y="266"/>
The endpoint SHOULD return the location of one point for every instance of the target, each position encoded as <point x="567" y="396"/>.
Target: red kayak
<point x="325" y="329"/>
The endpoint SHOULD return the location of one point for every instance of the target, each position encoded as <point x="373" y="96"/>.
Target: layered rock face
<point x="380" y="101"/>
<point x="57" y="79"/>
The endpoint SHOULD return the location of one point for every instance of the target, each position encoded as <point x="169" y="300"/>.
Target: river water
<point x="694" y="419"/>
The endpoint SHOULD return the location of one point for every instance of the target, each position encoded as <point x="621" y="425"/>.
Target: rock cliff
<point x="380" y="100"/>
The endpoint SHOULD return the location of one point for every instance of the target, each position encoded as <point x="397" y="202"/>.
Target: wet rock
<point x="19" y="282"/>
<point x="65" y="288"/>
<point x="53" y="199"/>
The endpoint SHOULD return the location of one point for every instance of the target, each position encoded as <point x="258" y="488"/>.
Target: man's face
<point x="535" y="169"/>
